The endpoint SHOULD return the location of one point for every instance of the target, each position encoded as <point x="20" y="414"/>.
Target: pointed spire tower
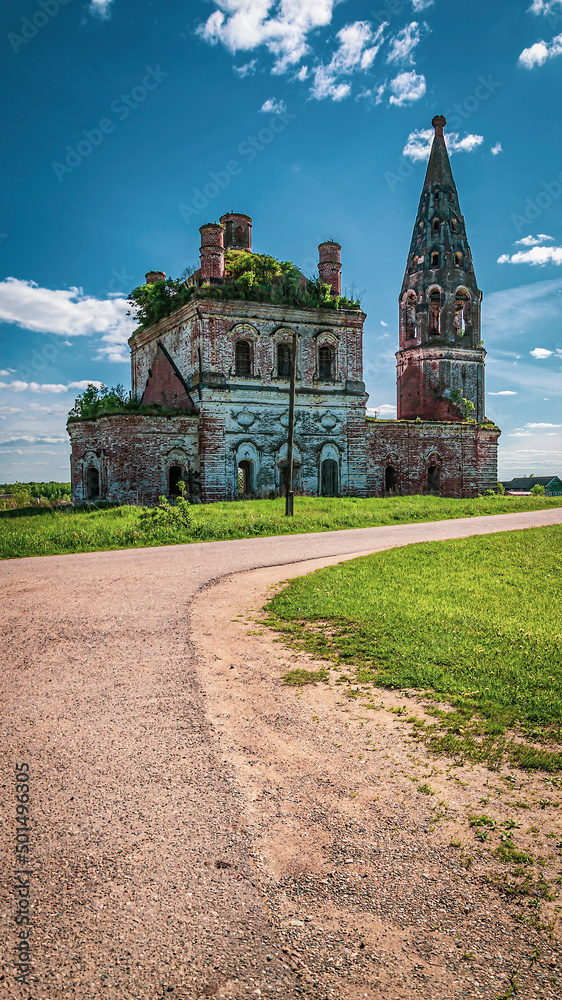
<point x="441" y="358"/>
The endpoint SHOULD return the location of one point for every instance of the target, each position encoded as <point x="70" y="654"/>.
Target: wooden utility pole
<point x="289" y="494"/>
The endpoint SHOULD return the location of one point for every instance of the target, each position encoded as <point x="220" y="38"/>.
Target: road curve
<point x="131" y="804"/>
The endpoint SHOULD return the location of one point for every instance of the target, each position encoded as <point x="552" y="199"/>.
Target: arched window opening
<point x="245" y="485"/>
<point x="454" y="225"/>
<point x="390" y="480"/>
<point x="435" y="313"/>
<point x="326" y="362"/>
<point x="240" y="234"/>
<point x="433" y="477"/>
<point x="243" y="357"/>
<point x="435" y="259"/>
<point x="459" y="321"/>
<point x="329" y="478"/>
<point x="463" y="373"/>
<point x="92" y="483"/>
<point x="435" y="227"/>
<point x="175" y="476"/>
<point x="458" y="259"/>
<point x="283" y="360"/>
<point x="410" y="315"/>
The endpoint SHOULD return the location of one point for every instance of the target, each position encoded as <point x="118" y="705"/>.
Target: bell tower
<point x="440" y="363"/>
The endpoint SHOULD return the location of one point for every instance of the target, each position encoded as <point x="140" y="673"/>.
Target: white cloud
<point x="504" y="392"/>
<point x="418" y="143"/>
<point x="403" y="44"/>
<point x="496" y="149"/>
<point x="422" y="5"/>
<point x="272" y="106"/>
<point x="68" y="312"/>
<point x="540" y="352"/>
<point x="520" y="434"/>
<point x="101" y="8"/>
<point x="533" y="241"/>
<point x="538" y="256"/>
<point x="383" y="323"/>
<point x="406" y="88"/>
<point x="17" y="386"/>
<point x="357" y="48"/>
<point x="538" y="53"/>
<point x="302" y="74"/>
<point x="32" y="439"/>
<point x="7" y="371"/>
<point x="248" y="69"/>
<point x="282" y="26"/>
<point x="541" y="426"/>
<point x="386" y="411"/>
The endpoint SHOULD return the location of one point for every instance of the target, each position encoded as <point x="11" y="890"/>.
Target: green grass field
<point x="474" y="625"/>
<point x="41" y="532"/>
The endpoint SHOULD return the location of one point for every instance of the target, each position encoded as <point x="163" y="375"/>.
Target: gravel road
<point x="142" y="882"/>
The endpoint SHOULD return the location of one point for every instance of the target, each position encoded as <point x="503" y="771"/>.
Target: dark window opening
<point x="434" y="313"/>
<point x="410" y="316"/>
<point x="433" y="477"/>
<point x="243" y="357"/>
<point x="283" y="360"/>
<point x="454" y="225"/>
<point x="326" y="362"/>
<point x="244" y="478"/>
<point x="175" y="476"/>
<point x="390" y="480"/>
<point x="435" y="227"/>
<point x="435" y="259"/>
<point x="329" y="478"/>
<point x="458" y="259"/>
<point x="459" y="321"/>
<point x="92" y="484"/>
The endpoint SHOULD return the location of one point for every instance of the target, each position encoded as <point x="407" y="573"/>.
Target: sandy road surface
<point x="143" y="881"/>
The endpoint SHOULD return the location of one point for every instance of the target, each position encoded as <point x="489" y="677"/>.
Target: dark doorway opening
<point x="243" y="357"/>
<point x="92" y="484"/>
<point x="390" y="480"/>
<point x="433" y="477"/>
<point x="175" y="476"/>
<point x="244" y="478"/>
<point x="329" y="478"/>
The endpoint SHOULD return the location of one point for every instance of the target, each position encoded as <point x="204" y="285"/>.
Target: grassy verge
<point x="473" y="625"/>
<point x="35" y="532"/>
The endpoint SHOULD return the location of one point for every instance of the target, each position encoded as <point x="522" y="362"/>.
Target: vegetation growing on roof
<point x="252" y="276"/>
<point x="104" y="402"/>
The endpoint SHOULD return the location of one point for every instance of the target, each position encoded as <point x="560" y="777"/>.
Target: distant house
<point x="552" y="485"/>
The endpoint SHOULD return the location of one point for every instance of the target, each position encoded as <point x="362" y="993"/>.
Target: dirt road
<point x="146" y="878"/>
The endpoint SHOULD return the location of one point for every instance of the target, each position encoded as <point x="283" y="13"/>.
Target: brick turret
<point x="212" y="251"/>
<point x="153" y="276"/>
<point x="237" y="231"/>
<point x="329" y="266"/>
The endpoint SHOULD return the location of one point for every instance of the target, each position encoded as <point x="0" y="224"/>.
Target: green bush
<point x="167" y="517"/>
<point x="537" y="490"/>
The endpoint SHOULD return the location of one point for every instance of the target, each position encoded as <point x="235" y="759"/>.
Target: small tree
<point x="500" y="488"/>
<point x="537" y="490"/>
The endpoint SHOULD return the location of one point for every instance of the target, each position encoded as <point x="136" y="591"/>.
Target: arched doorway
<point x="92" y="483"/>
<point x="175" y="476"/>
<point x="390" y="480"/>
<point x="244" y="478"/>
<point x="329" y="486"/>
<point x="433" y="479"/>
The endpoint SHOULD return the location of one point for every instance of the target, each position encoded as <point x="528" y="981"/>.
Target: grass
<point x="472" y="624"/>
<point x="40" y="532"/>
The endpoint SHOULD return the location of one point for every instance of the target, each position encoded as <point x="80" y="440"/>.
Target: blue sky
<point x="128" y="126"/>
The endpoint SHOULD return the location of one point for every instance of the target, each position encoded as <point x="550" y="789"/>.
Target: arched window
<point x="329" y="478"/>
<point x="243" y="357"/>
<point x="326" y="362"/>
<point x="454" y="225"/>
<point x="175" y="476"/>
<point x="435" y="259"/>
<point x="435" y="313"/>
<point x="458" y="259"/>
<point x="459" y="322"/>
<point x="433" y="479"/>
<point x="245" y="484"/>
<point x="435" y="227"/>
<point x="410" y="315"/>
<point x="283" y="360"/>
<point x="92" y="483"/>
<point x="390" y="480"/>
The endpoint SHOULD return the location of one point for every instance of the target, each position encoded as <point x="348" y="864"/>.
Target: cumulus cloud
<point x="542" y="426"/>
<point x="282" y="27"/>
<point x="32" y="439"/>
<point x="496" y="149"/>
<point x="68" y="312"/>
<point x="386" y="411"/>
<point x="538" y="256"/>
<point x="357" y="48"/>
<point x="540" y="352"/>
<point x="248" y="69"/>
<point x="422" y="5"/>
<point x="418" y="143"/>
<point x="403" y="44"/>
<point x="54" y="387"/>
<point x="538" y="53"/>
<point x="7" y="371"/>
<point x="272" y="106"/>
<point x="101" y="8"/>
<point x="407" y="88"/>
<point x="533" y="241"/>
<point x="504" y="392"/>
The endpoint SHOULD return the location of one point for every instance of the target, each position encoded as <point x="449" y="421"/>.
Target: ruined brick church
<point x="213" y="382"/>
